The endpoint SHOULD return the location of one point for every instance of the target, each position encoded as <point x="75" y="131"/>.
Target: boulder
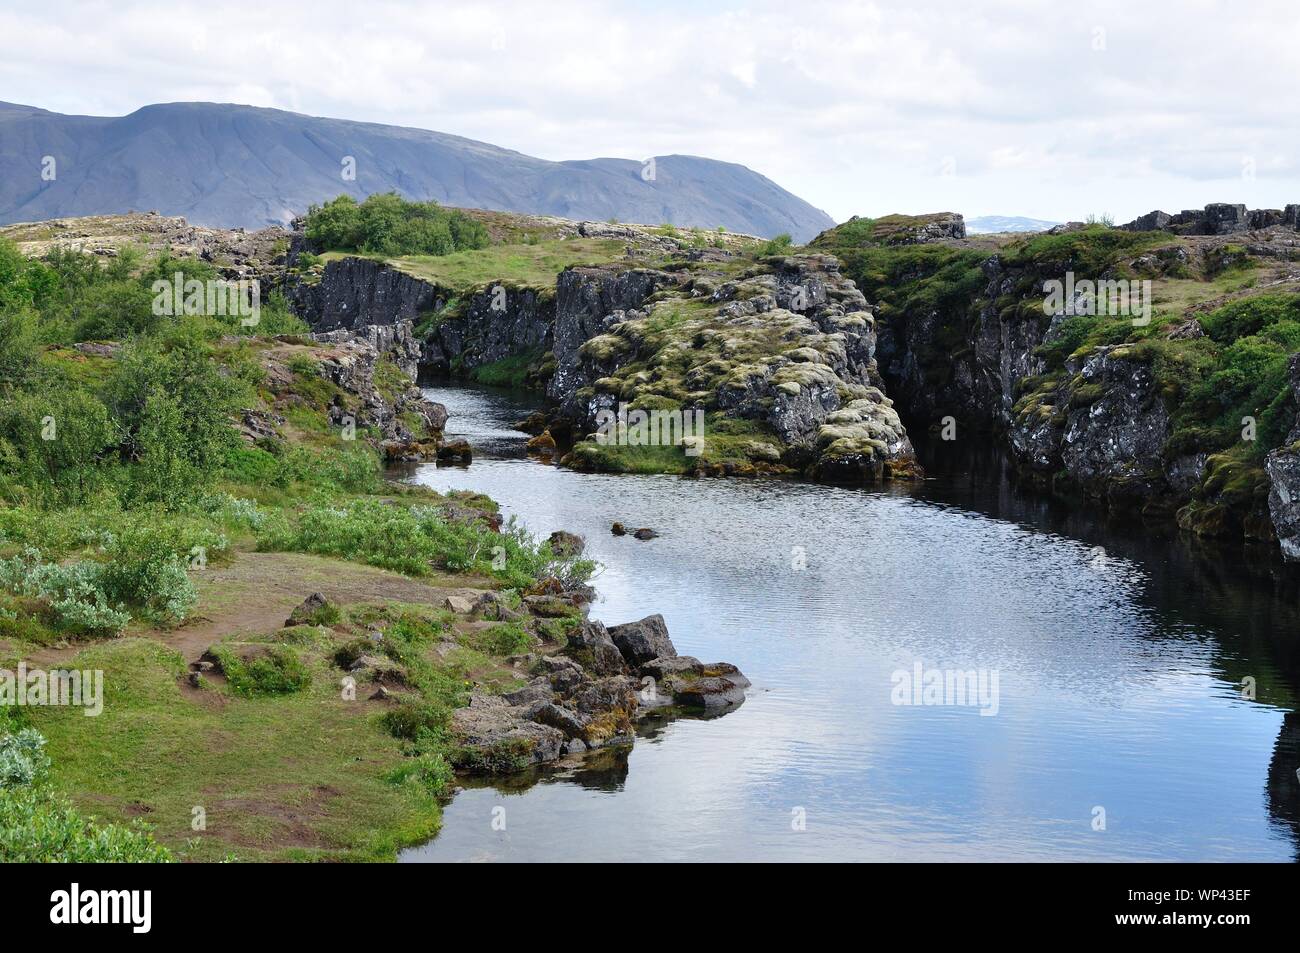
<point x="532" y="697"/>
<point x="710" y="693"/>
<point x="497" y="736"/>
<point x="573" y="724"/>
<point x="643" y="640"/>
<point x="456" y="451"/>
<point x="549" y="607"/>
<point x="543" y="442"/>
<point x="458" y="604"/>
<point x="566" y="545"/>
<point x="307" y="611"/>
<point x="592" y="647"/>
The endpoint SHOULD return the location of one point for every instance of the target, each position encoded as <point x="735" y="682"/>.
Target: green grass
<point x="508" y="372"/>
<point x="286" y="777"/>
<point x="533" y="265"/>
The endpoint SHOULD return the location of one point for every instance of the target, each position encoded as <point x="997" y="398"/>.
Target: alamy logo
<point x="654" y="428"/>
<point x="134" y="907"/>
<point x="1112" y="297"/>
<point x="59" y="688"/>
<point x="238" y="299"/>
<point x="974" y="688"/>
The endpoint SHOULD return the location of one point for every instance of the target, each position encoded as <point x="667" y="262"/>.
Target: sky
<point x="1053" y="110"/>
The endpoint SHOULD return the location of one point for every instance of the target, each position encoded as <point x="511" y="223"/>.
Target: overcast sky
<point x="1048" y="109"/>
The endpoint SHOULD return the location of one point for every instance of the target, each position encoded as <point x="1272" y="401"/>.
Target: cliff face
<point x="353" y="293"/>
<point x="791" y="364"/>
<point x="785" y="344"/>
<point x="1172" y="413"/>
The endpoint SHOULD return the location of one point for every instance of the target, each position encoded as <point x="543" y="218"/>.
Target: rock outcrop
<point x="1218" y="218"/>
<point x="789" y="345"/>
<point x="1283" y="467"/>
<point x="589" y="696"/>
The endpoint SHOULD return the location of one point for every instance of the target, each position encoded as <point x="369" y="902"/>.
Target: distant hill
<point x="232" y="166"/>
<point x="1006" y="223"/>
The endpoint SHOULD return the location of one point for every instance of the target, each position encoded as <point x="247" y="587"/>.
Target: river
<point x="1118" y="661"/>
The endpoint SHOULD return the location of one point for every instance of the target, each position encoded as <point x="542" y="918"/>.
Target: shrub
<point x="74" y="594"/>
<point x="413" y="720"/>
<point x="22" y="758"/>
<point x="279" y="671"/>
<point x="59" y="435"/>
<point x="504" y="639"/>
<point x="777" y="245"/>
<point x="145" y="571"/>
<point x="38" y="826"/>
<point x="387" y="224"/>
<point x="174" y="406"/>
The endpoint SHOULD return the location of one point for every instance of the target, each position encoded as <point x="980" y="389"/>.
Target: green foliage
<point x="22" y="758"/>
<point x="504" y="639"/>
<point x="278" y="670"/>
<point x="174" y="407"/>
<point x="58" y="436"/>
<point x="1252" y="315"/>
<point x="778" y="245"/>
<point x="73" y="595"/>
<point x="39" y="826"/>
<point x="387" y="224"/>
<point x="417" y="540"/>
<point x="1089" y="251"/>
<point x="17" y="346"/>
<point x="508" y="372"/>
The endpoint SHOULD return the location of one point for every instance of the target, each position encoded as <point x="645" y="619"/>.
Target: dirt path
<point x="256" y="593"/>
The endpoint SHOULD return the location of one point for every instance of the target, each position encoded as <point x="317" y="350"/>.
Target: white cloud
<point x="860" y="108"/>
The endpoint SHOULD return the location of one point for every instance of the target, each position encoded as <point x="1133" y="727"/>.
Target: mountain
<point x="1006" y="223"/>
<point x="230" y="166"/>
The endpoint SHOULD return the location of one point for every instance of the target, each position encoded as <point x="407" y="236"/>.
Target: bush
<point x="777" y="246"/>
<point x="504" y="639"/>
<point x="38" y="826"/>
<point x="74" y="594"/>
<point x="174" y="406"/>
<point x="145" y="571"/>
<point x="22" y="758"/>
<point x="387" y="224"/>
<point x="277" y="672"/>
<point x="413" y="720"/>
<point x="60" y="436"/>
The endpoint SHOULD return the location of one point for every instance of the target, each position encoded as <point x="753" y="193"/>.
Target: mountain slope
<point x="229" y="166"/>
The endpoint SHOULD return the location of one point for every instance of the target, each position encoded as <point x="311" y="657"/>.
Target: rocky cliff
<point x="777" y="351"/>
<point x="1169" y="412"/>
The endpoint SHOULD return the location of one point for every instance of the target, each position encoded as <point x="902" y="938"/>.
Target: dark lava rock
<point x="643" y="640"/>
<point x="593" y="648"/>
<point x="567" y="545"/>
<point x="573" y="724"/>
<point x="456" y="451"/>
<point x="307" y="610"/>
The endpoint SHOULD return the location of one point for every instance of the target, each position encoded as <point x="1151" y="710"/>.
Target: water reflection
<point x="1121" y="649"/>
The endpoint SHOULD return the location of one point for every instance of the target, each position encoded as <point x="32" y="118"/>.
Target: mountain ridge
<point x="230" y="166"/>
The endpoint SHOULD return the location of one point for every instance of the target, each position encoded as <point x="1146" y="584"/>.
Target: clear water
<point x="1119" y="652"/>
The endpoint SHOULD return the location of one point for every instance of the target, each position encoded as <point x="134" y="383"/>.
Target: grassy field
<point x="533" y="265"/>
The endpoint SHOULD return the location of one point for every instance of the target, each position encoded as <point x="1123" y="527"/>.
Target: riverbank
<point x="279" y="643"/>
